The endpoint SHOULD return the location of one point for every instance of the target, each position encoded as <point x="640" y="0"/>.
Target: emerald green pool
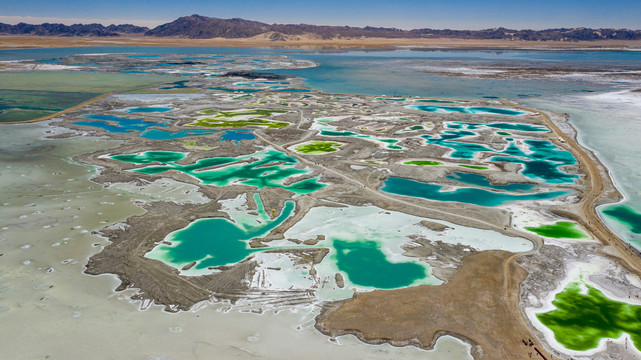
<point x="213" y="242"/>
<point x="501" y="126"/>
<point x="358" y="259"/>
<point x="410" y="129"/>
<point x="269" y="168"/>
<point x="217" y="241"/>
<point x="582" y="318"/>
<point x="149" y="157"/>
<point x="407" y="187"/>
<point x="541" y="160"/>
<point x="559" y="230"/>
<point x="467" y="110"/>
<point x="625" y="215"/>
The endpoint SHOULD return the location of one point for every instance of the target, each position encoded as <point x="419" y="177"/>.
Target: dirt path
<point x="26" y="41"/>
<point x="451" y="216"/>
<point x="595" y="188"/>
<point x="401" y="316"/>
<point x="49" y="117"/>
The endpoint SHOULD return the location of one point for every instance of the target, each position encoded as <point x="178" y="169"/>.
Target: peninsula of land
<point x="459" y="204"/>
<point x="29" y="41"/>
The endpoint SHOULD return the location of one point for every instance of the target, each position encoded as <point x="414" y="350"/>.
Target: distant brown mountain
<point x="202" y="27"/>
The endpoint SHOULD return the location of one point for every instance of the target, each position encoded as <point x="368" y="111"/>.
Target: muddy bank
<point x="480" y="305"/>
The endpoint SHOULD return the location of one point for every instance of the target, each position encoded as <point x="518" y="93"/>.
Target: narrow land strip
<point x="428" y="211"/>
<point x="590" y="219"/>
<point x="49" y="117"/>
<point x="18" y="41"/>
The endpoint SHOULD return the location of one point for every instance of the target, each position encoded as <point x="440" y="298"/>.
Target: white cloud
<point x="69" y="21"/>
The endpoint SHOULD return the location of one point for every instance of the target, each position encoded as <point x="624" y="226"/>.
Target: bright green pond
<point x="560" y="230"/>
<point x="225" y="118"/>
<point x="582" y="318"/>
<point x="212" y="122"/>
<point x="317" y="147"/>
<point x="423" y="163"/>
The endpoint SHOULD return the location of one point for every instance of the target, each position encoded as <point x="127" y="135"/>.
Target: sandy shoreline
<point x="600" y="191"/>
<point x="21" y="42"/>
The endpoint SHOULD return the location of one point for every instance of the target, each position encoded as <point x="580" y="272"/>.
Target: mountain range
<point x="202" y="27"/>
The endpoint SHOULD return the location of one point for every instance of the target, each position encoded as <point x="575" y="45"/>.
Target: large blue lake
<point x="411" y="73"/>
<point x="401" y="72"/>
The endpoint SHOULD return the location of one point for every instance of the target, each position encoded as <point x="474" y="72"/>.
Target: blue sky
<point x="409" y="14"/>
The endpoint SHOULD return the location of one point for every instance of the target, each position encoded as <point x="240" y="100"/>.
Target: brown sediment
<point x="479" y="305"/>
<point x="444" y="258"/>
<point x="25" y="41"/>
<point x="156" y="281"/>
<point x="434" y="226"/>
<point x="483" y="310"/>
